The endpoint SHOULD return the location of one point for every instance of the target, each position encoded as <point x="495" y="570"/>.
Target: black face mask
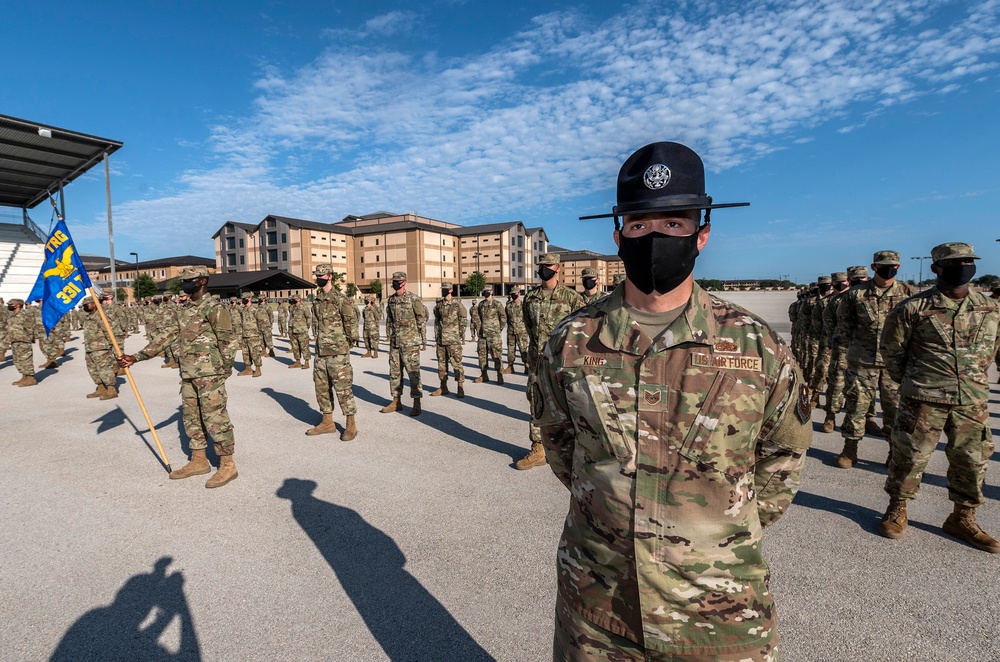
<point x="11" y="308"/>
<point x="321" y="282"/>
<point x="546" y="272"/>
<point x="825" y="287"/>
<point x="190" y="286"/>
<point x="589" y="283"/>
<point x="840" y="287"/>
<point x="957" y="275"/>
<point x="397" y="285"/>
<point x="90" y="309"/>
<point x="486" y="294"/>
<point x="445" y="292"/>
<point x="887" y="272"/>
<point x="657" y="261"/>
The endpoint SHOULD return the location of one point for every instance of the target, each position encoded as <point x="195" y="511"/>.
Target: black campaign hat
<point x="662" y="177"/>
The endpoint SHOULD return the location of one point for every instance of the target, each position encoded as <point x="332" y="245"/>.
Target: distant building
<point x="161" y="270"/>
<point x="574" y="262"/>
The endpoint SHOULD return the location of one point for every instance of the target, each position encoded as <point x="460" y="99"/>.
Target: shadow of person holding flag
<point x="130" y="628"/>
<point x="407" y="621"/>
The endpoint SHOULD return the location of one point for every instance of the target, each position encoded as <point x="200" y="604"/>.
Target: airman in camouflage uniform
<point x="805" y="329"/>
<point x="838" y="349"/>
<point x="996" y="295"/>
<point x="544" y="306"/>
<point x="336" y="322"/>
<point x="100" y="354"/>
<point x="449" y="336"/>
<point x="517" y="333"/>
<point x="299" y="323"/>
<point x="492" y="320"/>
<point x="164" y="314"/>
<point x="24" y="326"/>
<point x="203" y="332"/>
<point x="405" y="315"/>
<point x="251" y="339"/>
<point x="938" y="346"/>
<point x="474" y="319"/>
<point x="283" y="311"/>
<point x="679" y="423"/>
<point x="53" y="345"/>
<point x="819" y="340"/>
<point x="4" y="335"/>
<point x="372" y="315"/>
<point x="862" y="313"/>
<point x="591" y="278"/>
<point x="265" y="325"/>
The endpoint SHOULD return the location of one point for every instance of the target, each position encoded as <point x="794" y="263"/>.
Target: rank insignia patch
<point x="802" y="408"/>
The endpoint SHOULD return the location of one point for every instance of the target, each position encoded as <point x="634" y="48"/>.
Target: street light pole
<point x="922" y="267"/>
<point x="134" y="290"/>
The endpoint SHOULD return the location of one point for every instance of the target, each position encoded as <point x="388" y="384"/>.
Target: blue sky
<point x="850" y="126"/>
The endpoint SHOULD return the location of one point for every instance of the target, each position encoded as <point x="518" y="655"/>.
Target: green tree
<point x="122" y="294"/>
<point x="336" y="280"/>
<point x="711" y="284"/>
<point x="144" y="287"/>
<point x="174" y="287"/>
<point x="376" y="287"/>
<point x="352" y="290"/>
<point x="475" y="283"/>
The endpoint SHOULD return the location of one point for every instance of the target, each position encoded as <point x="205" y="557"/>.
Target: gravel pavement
<point x="416" y="541"/>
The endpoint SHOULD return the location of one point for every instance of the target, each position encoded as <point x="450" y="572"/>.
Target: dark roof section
<point x="246" y="227"/>
<point x="485" y="229"/>
<point x="32" y="165"/>
<point x="230" y="284"/>
<point x="178" y="261"/>
<point x="557" y="249"/>
<point x="308" y="225"/>
<point x="368" y="217"/>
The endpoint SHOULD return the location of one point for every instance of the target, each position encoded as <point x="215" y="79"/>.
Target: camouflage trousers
<point x="267" y="340"/>
<point x="4" y="344"/>
<point x="251" y="350"/>
<point x="820" y="369"/>
<point x="474" y="332"/>
<point x="371" y="340"/>
<point x="101" y="365"/>
<point x="334" y="375"/>
<point x="24" y="358"/>
<point x="812" y="350"/>
<point x="835" y="380"/>
<point x="578" y="640"/>
<point x="204" y="413"/>
<point x="298" y="342"/>
<point x="52" y="345"/>
<point x="517" y="341"/>
<point x="407" y="358"/>
<point x="970" y="445"/>
<point x="282" y="326"/>
<point x="450" y="355"/>
<point x="489" y="347"/>
<point x="859" y="394"/>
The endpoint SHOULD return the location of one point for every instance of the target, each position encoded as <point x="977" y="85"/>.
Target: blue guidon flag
<point x="62" y="280"/>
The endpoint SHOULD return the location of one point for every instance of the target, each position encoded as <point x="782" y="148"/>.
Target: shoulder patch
<point x="802" y="408"/>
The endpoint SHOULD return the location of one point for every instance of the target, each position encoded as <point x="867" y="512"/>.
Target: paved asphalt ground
<point x="417" y="541"/>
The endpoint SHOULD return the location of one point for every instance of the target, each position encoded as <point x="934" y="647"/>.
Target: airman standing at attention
<point x="591" y="278"/>
<point x="24" y="326"/>
<point x="474" y="319"/>
<point x="938" y="345"/>
<point x="372" y="315"/>
<point x="545" y="306"/>
<point x="449" y="336"/>
<point x="838" y="349"/>
<point x="4" y="334"/>
<point x="805" y="329"/>
<point x="336" y="322"/>
<point x="100" y="353"/>
<point x="995" y="295"/>
<point x="820" y="341"/>
<point x="283" y="311"/>
<point x="862" y="314"/>
<point x="251" y="339"/>
<point x="679" y="423"/>
<point x="299" y="323"/>
<point x="404" y="316"/>
<point x="517" y="334"/>
<point x="492" y="320"/>
<point x="166" y="312"/>
<point x="53" y="345"/>
<point x="265" y="325"/>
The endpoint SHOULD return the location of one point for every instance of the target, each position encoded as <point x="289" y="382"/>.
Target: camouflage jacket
<point x="284" y="309"/>
<point x="831" y="324"/>
<point x="492" y="318"/>
<point x="816" y="330"/>
<point x="449" y="322"/>
<point x="335" y="320"/>
<point x="25" y="325"/>
<point x="404" y="316"/>
<point x="265" y="318"/>
<point x="862" y="314"/>
<point x="515" y="316"/>
<point x="939" y="349"/>
<point x="676" y="454"/>
<point x="591" y="298"/>
<point x="543" y="310"/>
<point x="804" y="321"/>
<point x="474" y="316"/>
<point x="203" y="333"/>
<point x="95" y="336"/>
<point x="248" y="321"/>
<point x="237" y="317"/>
<point x="372" y="315"/>
<point x="116" y="318"/>
<point x="299" y="319"/>
<point x="4" y="319"/>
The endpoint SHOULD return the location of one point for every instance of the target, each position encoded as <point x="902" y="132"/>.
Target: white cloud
<point x="548" y="113"/>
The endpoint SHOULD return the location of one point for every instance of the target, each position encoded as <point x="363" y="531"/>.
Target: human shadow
<point x="297" y="407"/>
<point x="866" y="518"/>
<point x="130" y="628"/>
<point x="447" y="426"/>
<point x="407" y="621"/>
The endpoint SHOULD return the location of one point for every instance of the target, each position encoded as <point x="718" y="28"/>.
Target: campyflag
<point x="62" y="280"/>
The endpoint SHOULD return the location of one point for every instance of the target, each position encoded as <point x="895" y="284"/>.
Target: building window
<point x="241" y="243"/>
<point x="271" y="223"/>
<point x="272" y="238"/>
<point x="376" y="242"/>
<point x="362" y="259"/>
<point x="231" y="243"/>
<point x="241" y="260"/>
<point x="163" y="273"/>
<point x="232" y="260"/>
<point x="520" y="241"/>
<point x="520" y="272"/>
<point x="378" y="258"/>
<point x="284" y="238"/>
<point x="284" y="256"/>
<point x="378" y="274"/>
<point x="272" y="255"/>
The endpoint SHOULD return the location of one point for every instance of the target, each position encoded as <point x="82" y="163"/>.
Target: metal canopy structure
<point x="37" y="160"/>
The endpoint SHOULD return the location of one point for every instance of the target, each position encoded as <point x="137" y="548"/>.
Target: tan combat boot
<point x="443" y="390"/>
<point x="509" y="369"/>
<point x="534" y="458"/>
<point x="962" y="524"/>
<point x="294" y="365"/>
<point x="830" y="423"/>
<point x="50" y="365"/>
<point x="98" y="392"/>
<point x="326" y="426"/>
<point x="350" y="429"/>
<point x="814" y="400"/>
<point x="196" y="466"/>
<point x="415" y="409"/>
<point x="245" y="371"/>
<point x="873" y="428"/>
<point x="391" y="407"/>
<point x="27" y="380"/>
<point x="367" y="355"/>
<point x="483" y="378"/>
<point x="270" y="353"/>
<point x="305" y="364"/>
<point x="461" y="390"/>
<point x="227" y="472"/>
<point x="894" y="521"/>
<point x="168" y="364"/>
<point x="375" y="354"/>
<point x="256" y="372"/>
<point x="849" y="455"/>
<point x="110" y="393"/>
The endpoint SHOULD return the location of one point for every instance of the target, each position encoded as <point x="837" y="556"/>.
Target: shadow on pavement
<point x="117" y="417"/>
<point x="443" y="424"/>
<point x="297" y="407"/>
<point x="407" y="621"/>
<point x="866" y="518"/>
<point x="130" y="628"/>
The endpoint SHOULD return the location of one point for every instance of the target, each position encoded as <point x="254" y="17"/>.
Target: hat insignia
<point x="656" y="176"/>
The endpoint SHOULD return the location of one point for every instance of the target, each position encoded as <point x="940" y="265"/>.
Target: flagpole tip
<point x="169" y="470"/>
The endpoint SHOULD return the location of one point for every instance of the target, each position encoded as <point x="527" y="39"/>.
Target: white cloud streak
<point x="546" y="115"/>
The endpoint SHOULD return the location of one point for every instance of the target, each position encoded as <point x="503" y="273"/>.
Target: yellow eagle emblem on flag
<point x="64" y="265"/>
